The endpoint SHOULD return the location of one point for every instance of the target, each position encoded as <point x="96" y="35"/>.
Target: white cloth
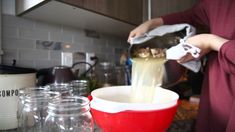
<point x="162" y="30"/>
<point x="178" y="51"/>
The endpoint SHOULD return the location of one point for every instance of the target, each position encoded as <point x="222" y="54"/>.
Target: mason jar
<point x="69" y="114"/>
<point x="28" y="90"/>
<point x="34" y="110"/>
<point x="106" y="76"/>
<point x="22" y="94"/>
<point x="80" y="87"/>
<point x="63" y="88"/>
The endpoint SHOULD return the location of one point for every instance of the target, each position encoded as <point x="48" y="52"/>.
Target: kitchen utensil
<point x="12" y="79"/>
<point x="113" y="111"/>
<point x="57" y="74"/>
<point x="62" y="74"/>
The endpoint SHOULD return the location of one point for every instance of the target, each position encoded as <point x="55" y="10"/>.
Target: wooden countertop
<point x="186" y="110"/>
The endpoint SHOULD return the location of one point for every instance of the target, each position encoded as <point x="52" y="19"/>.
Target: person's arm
<point x="210" y="42"/>
<point x="227" y="56"/>
<point x="145" y="27"/>
<point x="195" y="16"/>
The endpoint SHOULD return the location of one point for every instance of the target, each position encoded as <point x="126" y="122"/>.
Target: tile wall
<point x="39" y="45"/>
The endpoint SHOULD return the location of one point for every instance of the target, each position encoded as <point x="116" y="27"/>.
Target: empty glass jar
<point x="63" y="88"/>
<point x="80" y="87"/>
<point x="106" y="74"/>
<point x="33" y="110"/>
<point x="69" y="114"/>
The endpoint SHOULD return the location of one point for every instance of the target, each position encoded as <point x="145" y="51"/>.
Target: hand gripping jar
<point x="69" y="114"/>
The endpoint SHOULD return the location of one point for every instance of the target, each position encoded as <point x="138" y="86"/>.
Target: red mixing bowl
<point x="117" y="116"/>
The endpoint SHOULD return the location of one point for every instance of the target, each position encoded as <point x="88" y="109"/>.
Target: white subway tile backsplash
<point x="33" y="54"/>
<point x="72" y="30"/>
<point x="25" y="23"/>
<point x="17" y="43"/>
<point x="11" y="32"/>
<point x="10" y="54"/>
<point x="68" y="38"/>
<point x="99" y="41"/>
<point x="78" y="38"/>
<point x="69" y="33"/>
<point x="9" y="20"/>
<point x="112" y="43"/>
<point x="26" y="63"/>
<point x="20" y="36"/>
<point x="91" y="48"/>
<point x="44" y="64"/>
<point x="55" y="55"/>
<point x="55" y="36"/>
<point x="107" y="50"/>
<point x="34" y="34"/>
<point x="48" y="27"/>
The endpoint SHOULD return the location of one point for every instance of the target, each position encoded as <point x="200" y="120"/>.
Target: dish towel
<point x="178" y="51"/>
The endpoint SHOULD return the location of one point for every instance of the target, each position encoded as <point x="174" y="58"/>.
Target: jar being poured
<point x="148" y="59"/>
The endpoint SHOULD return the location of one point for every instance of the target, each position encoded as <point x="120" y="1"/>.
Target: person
<point x="217" y="100"/>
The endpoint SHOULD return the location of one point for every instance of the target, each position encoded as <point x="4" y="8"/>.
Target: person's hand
<point x="145" y="27"/>
<point x="206" y="42"/>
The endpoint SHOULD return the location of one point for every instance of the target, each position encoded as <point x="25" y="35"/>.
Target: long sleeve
<point x="227" y="57"/>
<point x="195" y="16"/>
<point x="217" y="103"/>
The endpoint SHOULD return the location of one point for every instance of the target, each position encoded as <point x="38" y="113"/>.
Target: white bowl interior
<point x="117" y="98"/>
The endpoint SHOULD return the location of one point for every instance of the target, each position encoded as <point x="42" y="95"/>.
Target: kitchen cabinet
<point x="117" y="17"/>
<point x="163" y="7"/>
<point x="130" y="11"/>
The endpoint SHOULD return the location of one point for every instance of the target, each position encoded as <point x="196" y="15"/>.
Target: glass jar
<point x="80" y="87"/>
<point x="63" y="88"/>
<point x="122" y="75"/>
<point x="27" y="90"/>
<point x="22" y="94"/>
<point x="34" y="110"/>
<point x="106" y="75"/>
<point x="69" y="114"/>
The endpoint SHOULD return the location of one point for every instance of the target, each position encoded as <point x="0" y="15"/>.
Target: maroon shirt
<point x="217" y="106"/>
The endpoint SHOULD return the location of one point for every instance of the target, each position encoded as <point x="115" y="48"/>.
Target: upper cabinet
<point x="129" y="11"/>
<point x="163" y="7"/>
<point x="117" y="17"/>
